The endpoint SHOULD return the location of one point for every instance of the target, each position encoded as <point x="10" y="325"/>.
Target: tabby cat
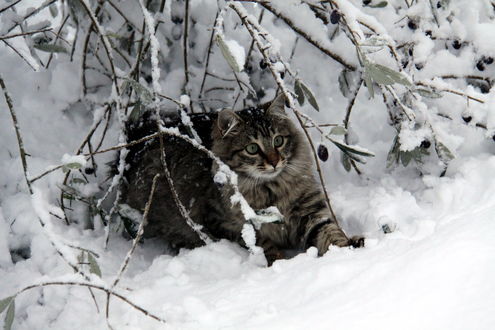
<point x="274" y="168"/>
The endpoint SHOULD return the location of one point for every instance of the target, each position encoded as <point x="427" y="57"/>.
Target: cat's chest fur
<point x="282" y="193"/>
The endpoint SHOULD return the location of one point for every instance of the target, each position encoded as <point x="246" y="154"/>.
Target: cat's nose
<point x="273" y="159"/>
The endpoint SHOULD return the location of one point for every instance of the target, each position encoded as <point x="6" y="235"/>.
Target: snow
<point x="237" y="52"/>
<point x="433" y="270"/>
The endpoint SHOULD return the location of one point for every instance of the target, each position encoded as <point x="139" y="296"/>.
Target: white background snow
<point x="436" y="270"/>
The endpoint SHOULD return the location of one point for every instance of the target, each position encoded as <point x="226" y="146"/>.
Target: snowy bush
<point x="393" y="96"/>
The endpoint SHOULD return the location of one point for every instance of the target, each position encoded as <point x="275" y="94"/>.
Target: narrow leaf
<point x="428" y="93"/>
<point x="94" y="268"/>
<point x="227" y="54"/>
<point x="338" y="130"/>
<point x="393" y="154"/>
<point x="73" y="166"/>
<point x="443" y="152"/>
<point x="310" y="96"/>
<point x="78" y="181"/>
<point x="353" y="149"/>
<point x="142" y="92"/>
<point x="405" y="158"/>
<point x="5" y="302"/>
<point x="9" y="316"/>
<point x="369" y="84"/>
<point x="49" y="48"/>
<point x="136" y="112"/>
<point x="384" y="75"/>
<point x="346" y="162"/>
<point x="299" y="92"/>
<point x="379" y="5"/>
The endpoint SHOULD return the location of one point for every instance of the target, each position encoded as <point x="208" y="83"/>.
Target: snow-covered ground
<point x="435" y="270"/>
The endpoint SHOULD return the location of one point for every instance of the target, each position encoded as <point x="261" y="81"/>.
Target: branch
<point x="20" y="143"/>
<point x="10" y="36"/>
<point x="94" y="286"/>
<point x="299" y="30"/>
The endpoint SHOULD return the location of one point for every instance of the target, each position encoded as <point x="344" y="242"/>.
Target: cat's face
<point x="257" y="143"/>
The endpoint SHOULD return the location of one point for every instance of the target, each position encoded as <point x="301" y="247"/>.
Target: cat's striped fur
<point x="278" y="171"/>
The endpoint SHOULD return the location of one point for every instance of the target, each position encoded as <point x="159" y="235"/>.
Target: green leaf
<point x="299" y="92"/>
<point x="430" y="93"/>
<point x="78" y="181"/>
<point x="352" y="149"/>
<point x="94" y="268"/>
<point x="5" y="302"/>
<point x="369" y="84"/>
<point x="142" y="92"/>
<point x="227" y="54"/>
<point x="50" y="48"/>
<point x="115" y="35"/>
<point x="344" y="83"/>
<point x="310" y="96"/>
<point x="73" y="166"/>
<point x="338" y="130"/>
<point x="393" y="154"/>
<point x="136" y="112"/>
<point x="346" y="161"/>
<point x="405" y="157"/>
<point x="443" y="152"/>
<point x="379" y="5"/>
<point x="384" y="75"/>
<point x="9" y="316"/>
<point x="53" y="10"/>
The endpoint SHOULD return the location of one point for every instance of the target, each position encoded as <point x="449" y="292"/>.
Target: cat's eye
<point x="278" y="141"/>
<point x="252" y="148"/>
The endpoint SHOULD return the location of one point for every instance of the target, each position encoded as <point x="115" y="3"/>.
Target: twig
<point x="20" y="55"/>
<point x="32" y="13"/>
<point x="20" y="143"/>
<point x="306" y="36"/>
<point x="9" y="6"/>
<point x="208" y="53"/>
<point x="10" y="36"/>
<point x="184" y="44"/>
<point x="97" y="287"/>
<point x="56" y="38"/>
<point x="452" y="91"/>
<point x="347" y="118"/>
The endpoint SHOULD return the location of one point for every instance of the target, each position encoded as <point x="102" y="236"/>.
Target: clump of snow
<point x="80" y="160"/>
<point x="237" y="52"/>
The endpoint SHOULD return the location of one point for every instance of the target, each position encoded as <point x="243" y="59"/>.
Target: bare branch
<point x="17" y="129"/>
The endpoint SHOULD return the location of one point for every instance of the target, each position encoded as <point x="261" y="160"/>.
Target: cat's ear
<point x="228" y="122"/>
<point x="277" y="107"/>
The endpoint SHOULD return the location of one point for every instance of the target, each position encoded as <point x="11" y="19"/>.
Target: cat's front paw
<point x="356" y="241"/>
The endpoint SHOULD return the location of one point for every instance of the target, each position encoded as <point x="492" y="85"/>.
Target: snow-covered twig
<point x="139" y="233"/>
<point x="92" y="286"/>
<point x="299" y="29"/>
<point x="17" y="129"/>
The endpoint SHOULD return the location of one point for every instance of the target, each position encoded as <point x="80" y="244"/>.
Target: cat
<point x="274" y="166"/>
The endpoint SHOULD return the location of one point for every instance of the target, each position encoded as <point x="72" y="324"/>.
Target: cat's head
<point x="260" y="143"/>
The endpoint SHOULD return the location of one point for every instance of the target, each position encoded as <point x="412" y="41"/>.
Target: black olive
<point x="456" y="44"/>
<point x="263" y="64"/>
<point x="89" y="170"/>
<point x="425" y="144"/>
<point x="480" y="66"/>
<point x="488" y="60"/>
<point x="323" y="152"/>
<point x="334" y="17"/>
<point x="412" y="25"/>
<point x="467" y="119"/>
